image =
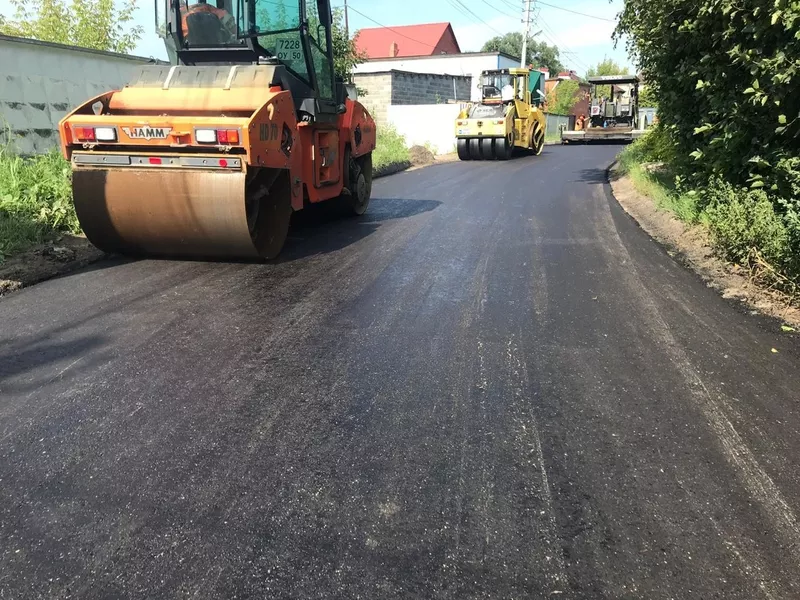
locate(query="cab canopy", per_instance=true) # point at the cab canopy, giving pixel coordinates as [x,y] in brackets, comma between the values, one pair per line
[613,79]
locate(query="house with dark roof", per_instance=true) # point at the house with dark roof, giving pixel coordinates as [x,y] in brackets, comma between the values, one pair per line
[429,39]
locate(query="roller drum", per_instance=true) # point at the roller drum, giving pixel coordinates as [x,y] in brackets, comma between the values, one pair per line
[181,212]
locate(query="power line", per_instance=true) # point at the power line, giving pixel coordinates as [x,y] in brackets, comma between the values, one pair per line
[561,47]
[509,5]
[505,14]
[575,12]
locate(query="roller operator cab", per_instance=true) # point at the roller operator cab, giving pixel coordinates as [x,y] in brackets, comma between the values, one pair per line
[508,116]
[210,155]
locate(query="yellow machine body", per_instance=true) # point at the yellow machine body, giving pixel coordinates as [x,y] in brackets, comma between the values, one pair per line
[507,118]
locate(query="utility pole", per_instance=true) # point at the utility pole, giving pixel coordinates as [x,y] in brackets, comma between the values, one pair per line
[346,21]
[526,27]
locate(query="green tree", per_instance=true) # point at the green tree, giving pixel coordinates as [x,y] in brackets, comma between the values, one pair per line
[648,97]
[726,75]
[606,67]
[563,97]
[345,52]
[97,24]
[539,53]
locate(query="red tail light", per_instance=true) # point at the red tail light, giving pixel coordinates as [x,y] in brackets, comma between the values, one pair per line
[84,134]
[227,136]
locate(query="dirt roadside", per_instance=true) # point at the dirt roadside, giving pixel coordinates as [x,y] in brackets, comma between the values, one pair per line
[70,252]
[45,261]
[690,245]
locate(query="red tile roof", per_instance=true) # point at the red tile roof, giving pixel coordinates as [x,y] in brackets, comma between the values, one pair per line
[408,40]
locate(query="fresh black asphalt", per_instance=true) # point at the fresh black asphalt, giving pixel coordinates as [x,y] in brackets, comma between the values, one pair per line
[493,385]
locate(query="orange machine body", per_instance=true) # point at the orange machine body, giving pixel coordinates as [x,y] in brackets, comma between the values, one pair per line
[158,127]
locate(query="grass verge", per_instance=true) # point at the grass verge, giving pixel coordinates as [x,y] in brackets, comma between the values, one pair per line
[746,226]
[35,200]
[391,151]
[552,136]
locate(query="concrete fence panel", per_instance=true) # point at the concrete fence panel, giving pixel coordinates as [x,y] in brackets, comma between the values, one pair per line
[391,88]
[40,82]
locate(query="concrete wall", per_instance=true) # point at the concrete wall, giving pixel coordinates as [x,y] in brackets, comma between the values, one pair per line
[403,88]
[432,124]
[428,88]
[466,64]
[40,82]
[377,93]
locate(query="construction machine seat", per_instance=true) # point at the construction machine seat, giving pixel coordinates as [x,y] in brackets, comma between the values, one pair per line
[205,29]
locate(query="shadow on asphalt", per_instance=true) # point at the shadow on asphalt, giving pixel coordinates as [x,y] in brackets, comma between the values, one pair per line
[30,355]
[317,229]
[325,228]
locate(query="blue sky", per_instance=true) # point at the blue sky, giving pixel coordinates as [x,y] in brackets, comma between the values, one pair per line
[583,40]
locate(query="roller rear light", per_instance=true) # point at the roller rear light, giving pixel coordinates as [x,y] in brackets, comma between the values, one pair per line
[224,137]
[94,134]
[105,134]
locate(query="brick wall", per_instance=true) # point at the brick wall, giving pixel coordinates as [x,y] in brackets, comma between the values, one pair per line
[404,88]
[426,88]
[375,93]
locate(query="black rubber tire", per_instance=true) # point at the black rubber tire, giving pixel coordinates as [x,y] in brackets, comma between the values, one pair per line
[487,149]
[462,146]
[358,181]
[475,149]
[503,148]
[538,141]
[362,185]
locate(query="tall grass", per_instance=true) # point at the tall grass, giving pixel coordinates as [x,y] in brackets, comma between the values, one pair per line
[390,148]
[35,200]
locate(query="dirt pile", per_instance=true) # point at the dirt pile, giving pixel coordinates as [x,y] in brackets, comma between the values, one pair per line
[420,155]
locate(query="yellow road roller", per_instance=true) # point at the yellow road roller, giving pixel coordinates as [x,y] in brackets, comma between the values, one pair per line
[507,117]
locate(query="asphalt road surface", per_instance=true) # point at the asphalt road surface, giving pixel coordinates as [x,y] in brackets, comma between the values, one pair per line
[494,385]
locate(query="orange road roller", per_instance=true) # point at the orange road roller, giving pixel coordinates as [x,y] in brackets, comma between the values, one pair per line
[210,155]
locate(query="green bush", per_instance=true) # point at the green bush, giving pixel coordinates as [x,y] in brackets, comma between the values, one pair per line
[390,148]
[35,200]
[726,75]
[750,227]
[741,221]
[655,145]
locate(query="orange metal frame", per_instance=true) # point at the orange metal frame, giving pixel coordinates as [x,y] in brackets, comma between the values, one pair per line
[270,135]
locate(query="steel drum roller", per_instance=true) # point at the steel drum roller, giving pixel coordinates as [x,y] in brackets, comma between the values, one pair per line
[183,212]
